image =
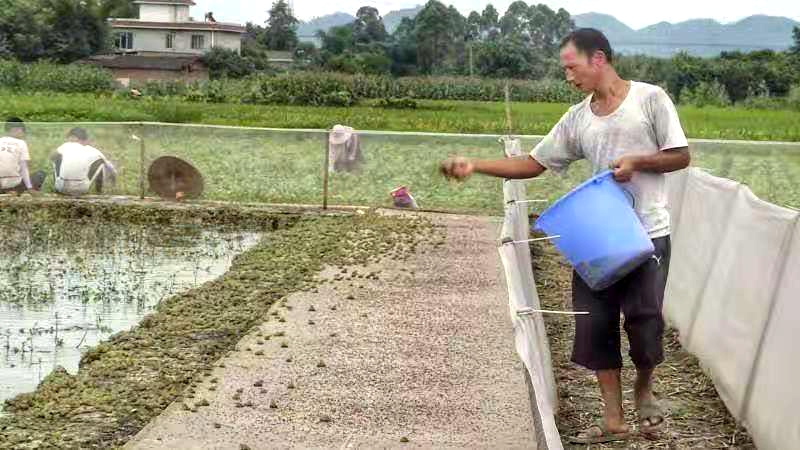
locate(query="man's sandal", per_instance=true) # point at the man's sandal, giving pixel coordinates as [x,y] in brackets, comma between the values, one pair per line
[598,434]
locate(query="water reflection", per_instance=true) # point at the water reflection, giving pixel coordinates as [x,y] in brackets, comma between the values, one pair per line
[66,286]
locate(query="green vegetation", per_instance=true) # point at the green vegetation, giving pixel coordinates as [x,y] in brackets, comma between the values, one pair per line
[49,77]
[430,116]
[299,88]
[59,30]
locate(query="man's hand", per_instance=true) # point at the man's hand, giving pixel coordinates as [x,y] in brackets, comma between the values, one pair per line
[623,168]
[458,168]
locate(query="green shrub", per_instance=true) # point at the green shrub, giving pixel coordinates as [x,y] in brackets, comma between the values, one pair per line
[397,103]
[341,98]
[162,88]
[706,94]
[227,63]
[49,77]
[794,96]
[790,102]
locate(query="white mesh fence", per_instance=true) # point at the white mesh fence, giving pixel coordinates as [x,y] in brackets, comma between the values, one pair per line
[732,295]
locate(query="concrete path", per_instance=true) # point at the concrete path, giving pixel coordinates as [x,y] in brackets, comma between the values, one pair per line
[425,354]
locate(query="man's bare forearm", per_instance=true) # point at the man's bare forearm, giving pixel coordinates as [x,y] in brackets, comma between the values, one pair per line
[663,161]
[513,168]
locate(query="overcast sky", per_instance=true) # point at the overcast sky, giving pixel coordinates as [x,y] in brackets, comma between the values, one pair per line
[632,12]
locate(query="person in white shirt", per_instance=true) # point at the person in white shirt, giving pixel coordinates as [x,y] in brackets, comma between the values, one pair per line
[632,128]
[78,166]
[14,158]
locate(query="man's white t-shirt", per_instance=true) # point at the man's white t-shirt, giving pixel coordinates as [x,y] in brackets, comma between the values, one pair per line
[645,123]
[73,176]
[12,152]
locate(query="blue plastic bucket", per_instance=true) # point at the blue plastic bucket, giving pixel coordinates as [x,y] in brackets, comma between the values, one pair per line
[600,234]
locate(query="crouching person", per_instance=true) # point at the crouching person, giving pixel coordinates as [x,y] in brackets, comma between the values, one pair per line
[14,158]
[78,166]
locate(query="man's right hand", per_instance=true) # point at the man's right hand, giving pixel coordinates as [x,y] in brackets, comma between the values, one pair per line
[457,168]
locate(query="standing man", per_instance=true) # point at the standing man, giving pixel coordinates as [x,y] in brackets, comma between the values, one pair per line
[14,158]
[78,166]
[633,128]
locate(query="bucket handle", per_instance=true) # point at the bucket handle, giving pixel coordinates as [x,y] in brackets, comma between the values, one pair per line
[630,196]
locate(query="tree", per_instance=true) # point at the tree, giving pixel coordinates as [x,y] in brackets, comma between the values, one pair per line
[280,33]
[538,26]
[796,36]
[254,47]
[473,26]
[61,30]
[432,31]
[227,63]
[404,48]
[22,29]
[504,58]
[546,27]
[368,26]
[515,20]
[124,9]
[77,29]
[489,19]
[337,39]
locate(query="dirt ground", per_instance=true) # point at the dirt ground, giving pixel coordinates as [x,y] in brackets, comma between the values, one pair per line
[696,417]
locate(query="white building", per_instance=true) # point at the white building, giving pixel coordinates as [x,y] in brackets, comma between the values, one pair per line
[164,27]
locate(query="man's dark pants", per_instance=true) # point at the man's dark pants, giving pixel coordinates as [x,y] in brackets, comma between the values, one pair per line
[640,297]
[37,180]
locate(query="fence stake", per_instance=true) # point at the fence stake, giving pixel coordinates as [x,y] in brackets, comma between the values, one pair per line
[141,162]
[325,174]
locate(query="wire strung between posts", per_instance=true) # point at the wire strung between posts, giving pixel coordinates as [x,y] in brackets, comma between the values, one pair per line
[526,241]
[528,201]
[524,202]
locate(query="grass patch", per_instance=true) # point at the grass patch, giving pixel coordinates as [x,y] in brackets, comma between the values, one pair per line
[433,116]
[124,383]
[247,165]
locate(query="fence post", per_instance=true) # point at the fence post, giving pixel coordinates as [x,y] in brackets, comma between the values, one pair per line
[141,161]
[327,168]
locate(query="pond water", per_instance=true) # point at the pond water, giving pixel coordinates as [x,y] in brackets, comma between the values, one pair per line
[66,286]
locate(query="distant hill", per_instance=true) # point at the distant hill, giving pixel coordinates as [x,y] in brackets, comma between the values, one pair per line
[392,19]
[702,37]
[610,25]
[324,23]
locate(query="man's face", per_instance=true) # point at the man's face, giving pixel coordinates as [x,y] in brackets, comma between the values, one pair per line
[580,69]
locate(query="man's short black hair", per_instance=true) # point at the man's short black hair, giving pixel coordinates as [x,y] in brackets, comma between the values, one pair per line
[589,40]
[14,122]
[79,133]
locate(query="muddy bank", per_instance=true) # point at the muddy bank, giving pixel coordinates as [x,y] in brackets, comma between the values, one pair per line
[696,417]
[130,379]
[130,210]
